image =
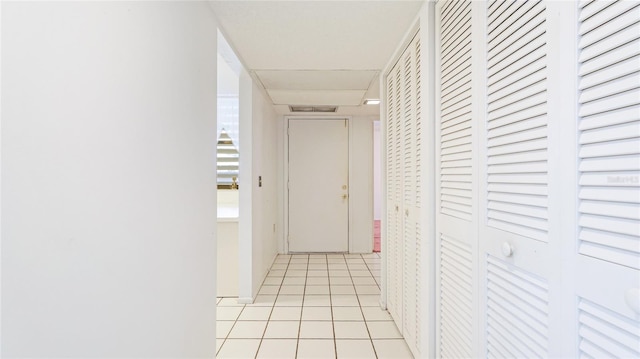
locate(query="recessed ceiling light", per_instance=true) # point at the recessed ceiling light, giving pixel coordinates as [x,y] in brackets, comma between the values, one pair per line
[372,102]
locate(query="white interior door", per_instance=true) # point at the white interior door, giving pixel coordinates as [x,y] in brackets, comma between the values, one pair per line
[318,185]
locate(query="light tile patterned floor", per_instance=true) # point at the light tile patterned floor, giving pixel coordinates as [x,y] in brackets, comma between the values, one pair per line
[312,306]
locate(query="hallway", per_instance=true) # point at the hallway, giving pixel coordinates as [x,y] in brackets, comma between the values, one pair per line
[312,306]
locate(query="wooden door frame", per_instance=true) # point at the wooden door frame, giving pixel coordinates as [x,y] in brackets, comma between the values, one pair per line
[285,182]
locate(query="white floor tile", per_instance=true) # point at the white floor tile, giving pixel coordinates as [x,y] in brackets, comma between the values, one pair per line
[318,281]
[255,313]
[316,330]
[383,330]
[358,267]
[263,300]
[347,313]
[276,273]
[304,261]
[355,349]
[367,289]
[313,348]
[296,272]
[298,265]
[272,281]
[350,330]
[223,327]
[352,255]
[239,348]
[341,281]
[289,301]
[338,273]
[316,301]
[269,289]
[364,281]
[392,349]
[219,343]
[279,266]
[247,330]
[351,261]
[292,289]
[336,260]
[318,273]
[317,289]
[286,313]
[317,266]
[316,256]
[344,300]
[342,289]
[282,329]
[294,281]
[375,314]
[369,300]
[228,313]
[218,299]
[318,260]
[338,267]
[360,273]
[278,349]
[316,313]
[229,302]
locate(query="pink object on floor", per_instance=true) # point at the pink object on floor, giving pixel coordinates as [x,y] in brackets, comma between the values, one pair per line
[376,236]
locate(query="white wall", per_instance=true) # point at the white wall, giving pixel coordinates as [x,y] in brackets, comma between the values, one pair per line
[265,156]
[108,201]
[257,238]
[377,174]
[361,184]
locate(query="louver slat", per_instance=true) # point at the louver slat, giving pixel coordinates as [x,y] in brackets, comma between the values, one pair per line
[517,319]
[606,334]
[517,133]
[609,136]
[456,308]
[455,109]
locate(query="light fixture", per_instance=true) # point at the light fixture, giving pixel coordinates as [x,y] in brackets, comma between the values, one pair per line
[295,108]
[372,102]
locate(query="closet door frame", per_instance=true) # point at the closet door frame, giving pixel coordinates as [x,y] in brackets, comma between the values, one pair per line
[424,27]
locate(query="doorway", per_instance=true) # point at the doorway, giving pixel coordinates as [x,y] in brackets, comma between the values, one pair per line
[377,186]
[318,185]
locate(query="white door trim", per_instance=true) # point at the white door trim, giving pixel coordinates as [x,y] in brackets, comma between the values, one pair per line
[285,187]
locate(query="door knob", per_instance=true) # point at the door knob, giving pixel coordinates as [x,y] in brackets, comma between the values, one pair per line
[344,196]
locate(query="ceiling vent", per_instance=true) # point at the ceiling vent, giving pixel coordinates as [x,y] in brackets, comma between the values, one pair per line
[324,109]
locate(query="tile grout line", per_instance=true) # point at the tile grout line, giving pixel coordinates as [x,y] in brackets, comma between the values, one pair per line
[304,291]
[333,325]
[361,311]
[273,306]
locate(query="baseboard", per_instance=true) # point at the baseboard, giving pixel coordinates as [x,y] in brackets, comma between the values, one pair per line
[245,300]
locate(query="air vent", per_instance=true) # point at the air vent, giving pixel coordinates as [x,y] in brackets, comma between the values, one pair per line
[313,108]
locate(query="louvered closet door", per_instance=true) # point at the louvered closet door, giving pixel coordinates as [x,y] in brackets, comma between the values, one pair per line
[608,292]
[411,202]
[456,212]
[394,225]
[514,196]
[404,193]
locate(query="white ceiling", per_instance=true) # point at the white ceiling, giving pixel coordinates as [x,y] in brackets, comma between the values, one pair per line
[318,52]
